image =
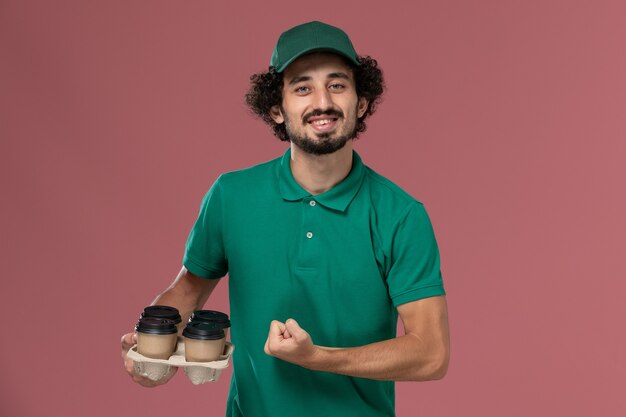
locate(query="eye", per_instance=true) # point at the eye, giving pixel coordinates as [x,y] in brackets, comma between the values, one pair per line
[337,87]
[302,89]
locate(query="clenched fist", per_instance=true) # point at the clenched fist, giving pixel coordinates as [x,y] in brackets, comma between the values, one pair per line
[290,342]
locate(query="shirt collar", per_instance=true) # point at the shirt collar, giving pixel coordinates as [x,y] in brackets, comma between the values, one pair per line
[337,198]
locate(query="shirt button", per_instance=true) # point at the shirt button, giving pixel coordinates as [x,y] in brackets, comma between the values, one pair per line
[312,203]
[309,235]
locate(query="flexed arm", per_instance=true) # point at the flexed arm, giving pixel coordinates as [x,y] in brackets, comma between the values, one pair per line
[421,354]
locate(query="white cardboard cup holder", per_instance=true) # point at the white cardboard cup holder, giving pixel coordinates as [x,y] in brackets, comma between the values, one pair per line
[197,372]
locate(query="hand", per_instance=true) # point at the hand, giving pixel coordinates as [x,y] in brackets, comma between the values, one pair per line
[128,341]
[291,343]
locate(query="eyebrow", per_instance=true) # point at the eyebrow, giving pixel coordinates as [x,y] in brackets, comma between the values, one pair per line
[332,75]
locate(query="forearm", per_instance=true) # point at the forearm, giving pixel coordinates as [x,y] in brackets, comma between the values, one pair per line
[404,358]
[185,303]
[187,293]
[421,354]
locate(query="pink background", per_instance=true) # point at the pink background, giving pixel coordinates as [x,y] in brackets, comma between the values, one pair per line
[505,118]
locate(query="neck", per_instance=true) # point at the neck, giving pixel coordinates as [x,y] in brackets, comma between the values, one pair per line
[319,173]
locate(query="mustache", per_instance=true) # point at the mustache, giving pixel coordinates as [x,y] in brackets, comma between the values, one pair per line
[320,112]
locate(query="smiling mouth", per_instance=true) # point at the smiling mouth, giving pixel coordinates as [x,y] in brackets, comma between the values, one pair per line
[323,122]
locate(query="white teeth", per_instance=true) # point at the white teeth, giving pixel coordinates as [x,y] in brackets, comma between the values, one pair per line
[321,122]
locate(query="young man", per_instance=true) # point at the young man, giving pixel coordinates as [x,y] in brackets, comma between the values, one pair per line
[322,253]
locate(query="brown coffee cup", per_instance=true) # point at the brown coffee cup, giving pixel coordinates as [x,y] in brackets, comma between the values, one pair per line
[162,312]
[211,316]
[204,342]
[156,338]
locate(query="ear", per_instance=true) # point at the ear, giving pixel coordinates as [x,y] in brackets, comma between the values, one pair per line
[276,114]
[361,107]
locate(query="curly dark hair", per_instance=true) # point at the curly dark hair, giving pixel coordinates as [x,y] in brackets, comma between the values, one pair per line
[266,91]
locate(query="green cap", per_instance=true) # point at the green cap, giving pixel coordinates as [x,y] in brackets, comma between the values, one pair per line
[311,37]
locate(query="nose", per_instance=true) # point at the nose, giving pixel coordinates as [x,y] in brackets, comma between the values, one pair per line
[322,99]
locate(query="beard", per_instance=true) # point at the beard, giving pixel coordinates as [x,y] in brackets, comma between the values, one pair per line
[325,143]
[323,146]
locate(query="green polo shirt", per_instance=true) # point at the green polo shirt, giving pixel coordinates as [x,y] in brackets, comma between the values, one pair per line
[339,263]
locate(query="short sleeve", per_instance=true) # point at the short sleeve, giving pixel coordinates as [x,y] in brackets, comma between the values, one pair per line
[415,271]
[204,252]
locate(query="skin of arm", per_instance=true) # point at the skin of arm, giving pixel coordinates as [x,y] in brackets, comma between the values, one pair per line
[187,293]
[421,354]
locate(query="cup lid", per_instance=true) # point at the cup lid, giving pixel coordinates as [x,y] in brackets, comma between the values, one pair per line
[162,312]
[210,316]
[156,326]
[203,331]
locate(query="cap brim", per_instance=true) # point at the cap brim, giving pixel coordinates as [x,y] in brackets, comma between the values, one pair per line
[336,51]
